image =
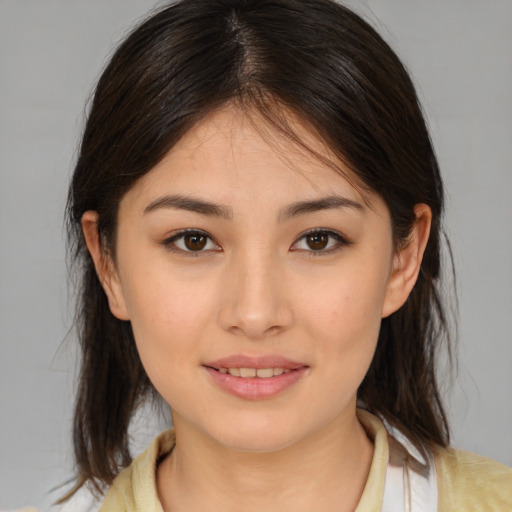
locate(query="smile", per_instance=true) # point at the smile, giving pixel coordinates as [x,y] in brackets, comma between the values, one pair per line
[248,373]
[255,378]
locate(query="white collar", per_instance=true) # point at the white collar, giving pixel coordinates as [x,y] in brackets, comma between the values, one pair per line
[411,483]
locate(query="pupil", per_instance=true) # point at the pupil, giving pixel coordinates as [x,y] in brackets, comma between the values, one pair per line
[317,241]
[195,242]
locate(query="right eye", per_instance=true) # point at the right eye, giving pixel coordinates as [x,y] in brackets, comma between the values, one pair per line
[191,241]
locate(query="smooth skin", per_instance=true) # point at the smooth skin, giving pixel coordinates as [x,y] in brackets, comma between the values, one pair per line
[253,279]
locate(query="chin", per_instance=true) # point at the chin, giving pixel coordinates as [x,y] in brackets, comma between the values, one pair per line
[259,433]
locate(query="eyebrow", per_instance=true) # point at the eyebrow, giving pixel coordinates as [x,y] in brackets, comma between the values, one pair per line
[178,202]
[324,203]
[203,207]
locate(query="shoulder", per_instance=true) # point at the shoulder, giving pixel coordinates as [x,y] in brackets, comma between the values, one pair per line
[469,482]
[134,489]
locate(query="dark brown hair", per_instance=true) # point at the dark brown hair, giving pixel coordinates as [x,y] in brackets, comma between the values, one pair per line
[330,69]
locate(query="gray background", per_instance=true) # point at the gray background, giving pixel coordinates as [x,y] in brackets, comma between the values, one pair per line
[51,52]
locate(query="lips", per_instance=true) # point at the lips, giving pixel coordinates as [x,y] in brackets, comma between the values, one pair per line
[255,378]
[261,373]
[268,361]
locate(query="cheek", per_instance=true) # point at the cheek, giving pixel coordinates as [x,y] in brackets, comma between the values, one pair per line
[343,310]
[346,304]
[168,313]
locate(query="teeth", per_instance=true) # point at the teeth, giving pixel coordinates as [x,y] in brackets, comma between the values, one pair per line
[248,373]
[264,373]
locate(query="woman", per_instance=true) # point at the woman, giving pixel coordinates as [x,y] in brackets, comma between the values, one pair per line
[257,208]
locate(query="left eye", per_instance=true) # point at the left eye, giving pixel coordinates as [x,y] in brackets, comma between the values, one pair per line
[319,241]
[191,241]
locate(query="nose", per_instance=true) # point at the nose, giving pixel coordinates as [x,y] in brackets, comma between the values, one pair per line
[255,303]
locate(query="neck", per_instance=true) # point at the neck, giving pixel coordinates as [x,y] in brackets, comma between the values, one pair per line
[330,468]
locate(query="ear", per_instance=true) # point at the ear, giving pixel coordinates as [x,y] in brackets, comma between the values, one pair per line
[407,262]
[105,268]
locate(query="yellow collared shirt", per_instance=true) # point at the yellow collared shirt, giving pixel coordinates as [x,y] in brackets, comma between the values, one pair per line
[400,480]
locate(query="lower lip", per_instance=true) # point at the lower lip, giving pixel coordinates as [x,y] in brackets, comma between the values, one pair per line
[255,388]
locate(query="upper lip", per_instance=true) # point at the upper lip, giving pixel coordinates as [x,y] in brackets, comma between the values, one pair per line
[256,362]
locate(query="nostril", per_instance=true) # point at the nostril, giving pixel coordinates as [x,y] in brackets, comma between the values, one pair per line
[253,319]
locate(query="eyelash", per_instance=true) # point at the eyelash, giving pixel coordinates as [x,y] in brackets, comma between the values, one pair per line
[341,241]
[170,243]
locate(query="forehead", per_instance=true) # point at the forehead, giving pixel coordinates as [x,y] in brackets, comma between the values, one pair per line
[234,155]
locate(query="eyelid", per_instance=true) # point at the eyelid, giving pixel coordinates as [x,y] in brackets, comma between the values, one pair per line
[169,242]
[341,240]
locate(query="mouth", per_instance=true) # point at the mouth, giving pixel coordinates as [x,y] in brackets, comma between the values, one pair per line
[251,373]
[255,378]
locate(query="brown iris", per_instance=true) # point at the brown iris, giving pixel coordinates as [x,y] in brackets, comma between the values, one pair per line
[195,241]
[317,241]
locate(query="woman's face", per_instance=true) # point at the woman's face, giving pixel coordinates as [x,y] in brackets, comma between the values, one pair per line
[255,279]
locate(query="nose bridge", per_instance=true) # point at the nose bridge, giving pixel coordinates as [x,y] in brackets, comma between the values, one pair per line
[255,303]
